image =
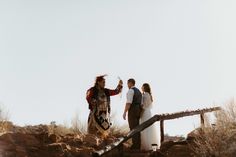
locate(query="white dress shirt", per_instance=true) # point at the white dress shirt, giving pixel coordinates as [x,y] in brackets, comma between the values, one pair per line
[129,96]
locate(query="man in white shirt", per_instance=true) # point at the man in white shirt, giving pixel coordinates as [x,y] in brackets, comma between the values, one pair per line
[133,107]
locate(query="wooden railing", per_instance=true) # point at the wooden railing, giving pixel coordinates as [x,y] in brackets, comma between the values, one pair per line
[152,120]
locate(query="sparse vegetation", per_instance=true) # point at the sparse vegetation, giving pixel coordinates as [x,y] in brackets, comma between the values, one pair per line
[75,127]
[59,129]
[219,139]
[4,114]
[4,118]
[118,130]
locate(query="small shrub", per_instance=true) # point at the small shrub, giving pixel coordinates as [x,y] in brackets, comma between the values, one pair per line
[218,140]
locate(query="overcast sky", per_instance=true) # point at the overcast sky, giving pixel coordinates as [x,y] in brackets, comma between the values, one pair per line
[51,51]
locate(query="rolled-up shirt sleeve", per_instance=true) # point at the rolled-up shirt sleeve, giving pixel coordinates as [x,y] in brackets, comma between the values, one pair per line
[130,96]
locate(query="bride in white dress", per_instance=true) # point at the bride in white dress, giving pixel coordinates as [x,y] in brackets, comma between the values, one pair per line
[149,136]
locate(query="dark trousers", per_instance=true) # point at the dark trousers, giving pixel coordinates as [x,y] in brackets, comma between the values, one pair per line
[133,119]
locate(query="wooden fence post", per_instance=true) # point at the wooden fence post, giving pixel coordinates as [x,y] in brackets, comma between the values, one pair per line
[202,119]
[162,130]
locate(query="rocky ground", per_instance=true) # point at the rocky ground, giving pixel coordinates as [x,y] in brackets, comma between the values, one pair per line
[46,141]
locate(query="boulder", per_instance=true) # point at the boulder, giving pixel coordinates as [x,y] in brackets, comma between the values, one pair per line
[179,151]
[193,134]
[57,147]
[166,145]
[53,138]
[20,139]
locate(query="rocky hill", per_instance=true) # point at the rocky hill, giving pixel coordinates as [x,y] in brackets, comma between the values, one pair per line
[48,141]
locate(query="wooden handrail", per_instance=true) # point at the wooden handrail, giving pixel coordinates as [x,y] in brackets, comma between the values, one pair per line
[148,123]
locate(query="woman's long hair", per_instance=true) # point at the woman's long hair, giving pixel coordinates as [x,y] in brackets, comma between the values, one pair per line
[147,89]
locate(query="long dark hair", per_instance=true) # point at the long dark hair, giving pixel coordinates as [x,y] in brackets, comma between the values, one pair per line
[99,79]
[147,89]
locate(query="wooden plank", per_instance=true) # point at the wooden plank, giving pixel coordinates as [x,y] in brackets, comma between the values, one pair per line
[127,137]
[162,131]
[187,113]
[148,123]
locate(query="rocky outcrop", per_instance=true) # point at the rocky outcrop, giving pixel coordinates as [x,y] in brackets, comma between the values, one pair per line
[40,141]
[46,141]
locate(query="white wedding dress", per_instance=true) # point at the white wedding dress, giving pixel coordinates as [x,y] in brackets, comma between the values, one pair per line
[149,136]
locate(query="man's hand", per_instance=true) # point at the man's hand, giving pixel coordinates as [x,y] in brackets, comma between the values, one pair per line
[124,115]
[127,106]
[121,83]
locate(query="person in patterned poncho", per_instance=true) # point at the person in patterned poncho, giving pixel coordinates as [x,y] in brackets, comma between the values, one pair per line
[98,98]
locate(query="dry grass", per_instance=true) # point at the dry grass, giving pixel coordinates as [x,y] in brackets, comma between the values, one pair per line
[76,126]
[61,130]
[4,119]
[4,114]
[218,140]
[118,130]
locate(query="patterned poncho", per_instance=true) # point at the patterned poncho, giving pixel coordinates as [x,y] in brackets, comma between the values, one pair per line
[99,105]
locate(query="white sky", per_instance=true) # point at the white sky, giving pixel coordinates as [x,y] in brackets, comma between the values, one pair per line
[51,51]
